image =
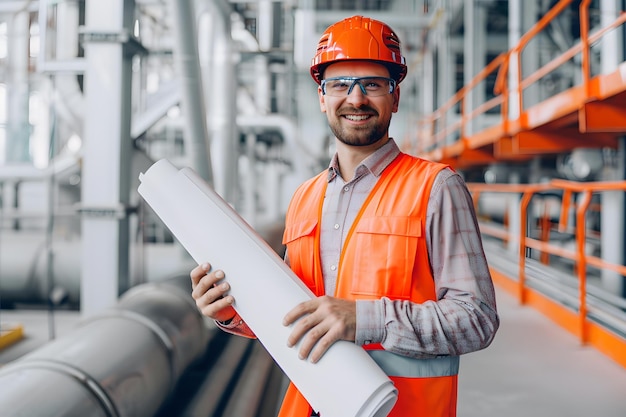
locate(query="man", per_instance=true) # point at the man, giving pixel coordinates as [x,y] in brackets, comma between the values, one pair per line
[389,243]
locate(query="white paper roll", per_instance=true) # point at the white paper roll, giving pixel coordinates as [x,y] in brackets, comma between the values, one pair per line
[346,381]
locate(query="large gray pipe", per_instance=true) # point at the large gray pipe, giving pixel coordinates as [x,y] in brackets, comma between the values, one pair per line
[24,264]
[123,362]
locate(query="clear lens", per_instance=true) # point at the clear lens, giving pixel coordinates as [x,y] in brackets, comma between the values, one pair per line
[370,86]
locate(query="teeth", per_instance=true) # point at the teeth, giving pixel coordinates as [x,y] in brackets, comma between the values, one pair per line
[356,118]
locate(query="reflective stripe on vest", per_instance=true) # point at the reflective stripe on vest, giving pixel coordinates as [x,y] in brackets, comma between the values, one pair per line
[403,366]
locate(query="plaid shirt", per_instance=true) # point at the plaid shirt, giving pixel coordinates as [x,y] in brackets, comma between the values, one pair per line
[464,317]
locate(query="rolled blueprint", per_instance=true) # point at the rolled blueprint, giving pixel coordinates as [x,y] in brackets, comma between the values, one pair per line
[346,381]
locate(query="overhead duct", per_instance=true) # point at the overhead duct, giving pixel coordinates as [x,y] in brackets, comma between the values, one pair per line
[122,362]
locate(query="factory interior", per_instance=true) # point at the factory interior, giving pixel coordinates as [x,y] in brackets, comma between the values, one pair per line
[525,99]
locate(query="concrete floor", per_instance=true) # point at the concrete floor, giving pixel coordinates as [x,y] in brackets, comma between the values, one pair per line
[533,367]
[38,327]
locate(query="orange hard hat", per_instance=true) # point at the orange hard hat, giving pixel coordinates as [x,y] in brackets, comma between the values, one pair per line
[359,37]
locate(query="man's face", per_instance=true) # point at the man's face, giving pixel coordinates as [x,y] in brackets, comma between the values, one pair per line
[358,119]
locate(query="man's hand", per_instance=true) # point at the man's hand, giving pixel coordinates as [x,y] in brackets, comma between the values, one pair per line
[210,295]
[323,321]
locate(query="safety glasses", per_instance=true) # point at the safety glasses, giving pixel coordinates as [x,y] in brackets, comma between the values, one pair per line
[370,86]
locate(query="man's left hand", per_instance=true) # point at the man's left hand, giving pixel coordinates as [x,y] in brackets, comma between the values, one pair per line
[323,321]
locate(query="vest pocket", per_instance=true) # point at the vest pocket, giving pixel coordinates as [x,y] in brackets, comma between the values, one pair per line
[385,250]
[298,230]
[300,241]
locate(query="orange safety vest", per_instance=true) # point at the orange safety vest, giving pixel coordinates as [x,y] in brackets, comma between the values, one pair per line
[386,251]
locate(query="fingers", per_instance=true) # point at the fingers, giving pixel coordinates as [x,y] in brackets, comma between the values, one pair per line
[202,279]
[319,323]
[211,293]
[303,311]
[198,272]
[317,339]
[322,345]
[300,310]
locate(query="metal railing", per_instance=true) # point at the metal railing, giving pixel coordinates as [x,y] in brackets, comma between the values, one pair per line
[442,135]
[576,197]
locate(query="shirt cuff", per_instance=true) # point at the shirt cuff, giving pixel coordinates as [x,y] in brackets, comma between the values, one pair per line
[370,324]
[230,324]
[237,327]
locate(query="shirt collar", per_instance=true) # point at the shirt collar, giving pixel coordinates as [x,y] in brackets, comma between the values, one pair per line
[375,163]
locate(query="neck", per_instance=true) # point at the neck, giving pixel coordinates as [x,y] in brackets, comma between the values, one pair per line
[349,157]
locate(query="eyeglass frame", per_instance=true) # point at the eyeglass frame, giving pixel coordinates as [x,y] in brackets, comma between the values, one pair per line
[357,80]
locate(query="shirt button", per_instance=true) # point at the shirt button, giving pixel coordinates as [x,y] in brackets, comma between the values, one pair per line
[336,226]
[346,188]
[333,267]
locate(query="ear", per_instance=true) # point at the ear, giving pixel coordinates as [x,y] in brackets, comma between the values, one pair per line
[396,99]
[322,98]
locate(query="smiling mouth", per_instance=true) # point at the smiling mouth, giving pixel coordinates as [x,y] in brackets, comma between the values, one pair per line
[357,117]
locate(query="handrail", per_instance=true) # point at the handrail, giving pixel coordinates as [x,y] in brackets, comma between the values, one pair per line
[434,129]
[582,260]
[525,40]
[430,121]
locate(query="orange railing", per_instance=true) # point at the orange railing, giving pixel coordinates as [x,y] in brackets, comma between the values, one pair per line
[578,322]
[440,136]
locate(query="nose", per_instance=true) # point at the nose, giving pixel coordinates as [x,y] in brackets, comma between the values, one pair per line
[356,95]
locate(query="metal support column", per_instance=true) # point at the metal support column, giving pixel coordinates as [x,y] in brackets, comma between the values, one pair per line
[107,153]
[475,58]
[427,81]
[220,94]
[445,66]
[530,56]
[612,215]
[18,127]
[192,99]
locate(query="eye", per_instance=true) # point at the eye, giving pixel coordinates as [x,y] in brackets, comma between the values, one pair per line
[339,84]
[373,84]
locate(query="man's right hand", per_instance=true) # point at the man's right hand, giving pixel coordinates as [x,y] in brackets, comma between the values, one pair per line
[210,294]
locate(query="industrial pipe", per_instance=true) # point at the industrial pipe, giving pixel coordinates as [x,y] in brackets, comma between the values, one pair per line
[215,53]
[192,100]
[23,268]
[122,362]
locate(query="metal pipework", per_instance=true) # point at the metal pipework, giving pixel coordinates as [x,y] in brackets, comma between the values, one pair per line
[192,100]
[122,362]
[24,263]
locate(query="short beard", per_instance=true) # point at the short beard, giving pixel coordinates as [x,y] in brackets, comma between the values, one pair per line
[363,137]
